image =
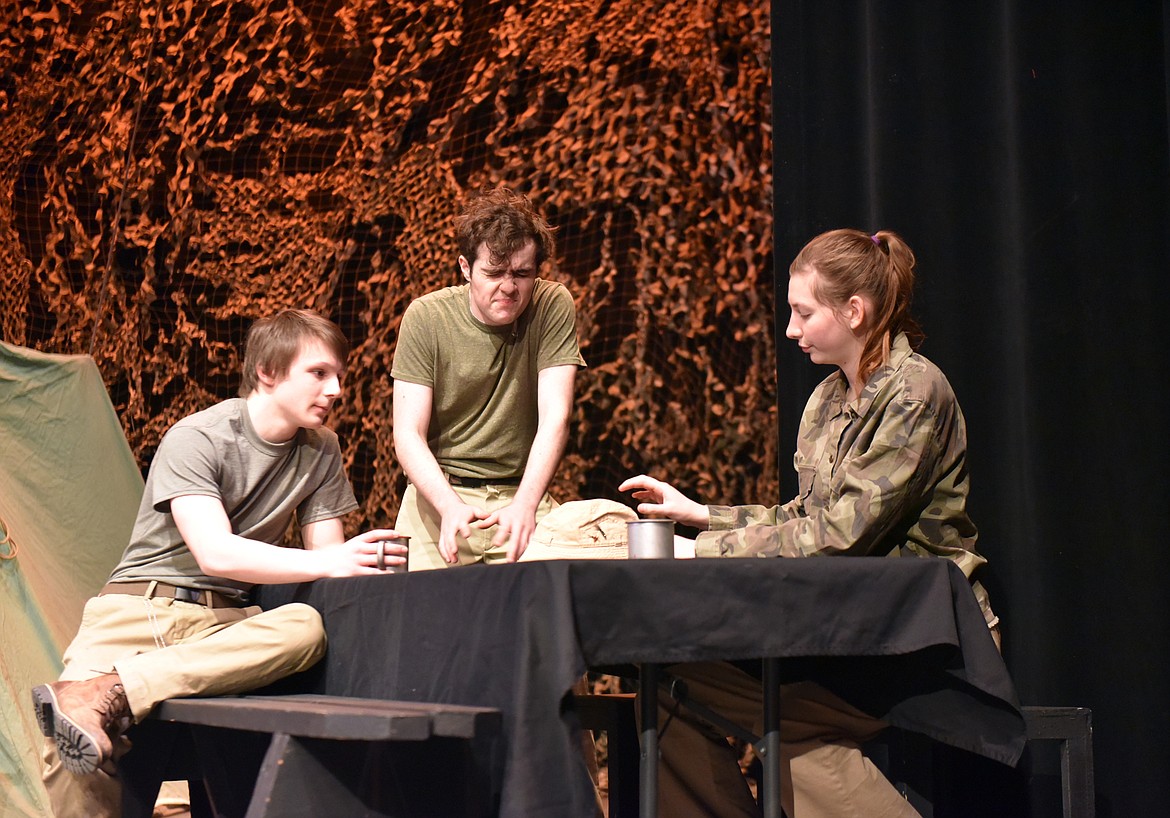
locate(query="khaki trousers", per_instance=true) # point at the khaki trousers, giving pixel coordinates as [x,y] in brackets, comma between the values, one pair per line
[164,649]
[419,520]
[823,772]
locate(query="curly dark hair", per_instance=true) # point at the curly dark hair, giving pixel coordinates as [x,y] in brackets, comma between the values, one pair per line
[504,221]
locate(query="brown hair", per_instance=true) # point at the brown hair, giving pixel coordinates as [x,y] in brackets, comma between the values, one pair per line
[504,221]
[880,267]
[274,342]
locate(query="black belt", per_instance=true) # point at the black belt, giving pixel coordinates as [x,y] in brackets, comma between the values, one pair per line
[198,596]
[480,482]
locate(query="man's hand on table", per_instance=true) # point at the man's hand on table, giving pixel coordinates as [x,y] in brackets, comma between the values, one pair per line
[516,524]
[457,521]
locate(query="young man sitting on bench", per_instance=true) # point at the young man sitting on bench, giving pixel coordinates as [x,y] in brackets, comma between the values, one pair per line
[173,620]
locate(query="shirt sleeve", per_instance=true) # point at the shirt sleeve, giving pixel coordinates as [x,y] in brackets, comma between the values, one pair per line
[869,494]
[558,330]
[185,463]
[414,359]
[729,517]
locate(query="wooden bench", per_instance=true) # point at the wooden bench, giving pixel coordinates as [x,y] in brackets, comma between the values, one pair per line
[942,780]
[1072,727]
[307,755]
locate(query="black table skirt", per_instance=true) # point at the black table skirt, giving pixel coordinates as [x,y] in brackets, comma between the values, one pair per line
[902,639]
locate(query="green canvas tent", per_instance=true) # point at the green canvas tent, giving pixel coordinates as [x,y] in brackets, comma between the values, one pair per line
[69,490]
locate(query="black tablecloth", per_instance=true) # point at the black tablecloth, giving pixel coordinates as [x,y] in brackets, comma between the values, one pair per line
[903,639]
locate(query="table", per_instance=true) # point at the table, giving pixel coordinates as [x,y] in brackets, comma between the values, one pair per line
[902,639]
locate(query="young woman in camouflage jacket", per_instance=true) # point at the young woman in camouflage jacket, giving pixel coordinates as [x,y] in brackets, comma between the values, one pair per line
[881,458]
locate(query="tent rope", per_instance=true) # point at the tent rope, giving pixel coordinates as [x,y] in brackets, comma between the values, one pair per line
[8,548]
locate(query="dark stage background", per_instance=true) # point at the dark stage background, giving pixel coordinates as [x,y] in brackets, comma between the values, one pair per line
[1021,148]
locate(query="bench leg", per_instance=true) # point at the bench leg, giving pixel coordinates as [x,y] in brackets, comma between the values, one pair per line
[239,773]
[614,715]
[408,779]
[1077,772]
[148,764]
[200,803]
[229,762]
[289,773]
[162,752]
[1073,728]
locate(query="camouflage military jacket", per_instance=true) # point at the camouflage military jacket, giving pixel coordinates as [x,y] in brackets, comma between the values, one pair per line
[884,475]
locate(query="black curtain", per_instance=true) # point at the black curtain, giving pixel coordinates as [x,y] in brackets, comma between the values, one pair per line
[1022,150]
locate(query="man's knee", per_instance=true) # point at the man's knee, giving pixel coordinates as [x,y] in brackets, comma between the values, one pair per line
[304,627]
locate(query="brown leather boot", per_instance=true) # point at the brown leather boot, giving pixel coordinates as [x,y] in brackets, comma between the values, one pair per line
[85,719]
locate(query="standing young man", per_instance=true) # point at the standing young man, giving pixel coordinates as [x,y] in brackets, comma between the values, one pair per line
[483,388]
[173,619]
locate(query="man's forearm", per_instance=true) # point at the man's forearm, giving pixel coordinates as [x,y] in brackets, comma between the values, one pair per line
[424,472]
[245,560]
[554,406]
[543,459]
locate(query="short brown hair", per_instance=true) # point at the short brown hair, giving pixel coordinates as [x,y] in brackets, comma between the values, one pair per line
[504,221]
[273,343]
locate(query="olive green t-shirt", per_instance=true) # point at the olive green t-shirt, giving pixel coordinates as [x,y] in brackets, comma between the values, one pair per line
[483,378]
[263,486]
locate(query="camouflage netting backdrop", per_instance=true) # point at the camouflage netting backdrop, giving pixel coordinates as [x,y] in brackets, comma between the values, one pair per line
[172,169]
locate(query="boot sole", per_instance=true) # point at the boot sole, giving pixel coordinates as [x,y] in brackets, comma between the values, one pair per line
[76,747]
[42,697]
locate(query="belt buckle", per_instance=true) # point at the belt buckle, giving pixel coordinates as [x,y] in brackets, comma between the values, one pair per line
[193,595]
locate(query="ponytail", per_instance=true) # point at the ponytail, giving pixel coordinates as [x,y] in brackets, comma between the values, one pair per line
[892,315]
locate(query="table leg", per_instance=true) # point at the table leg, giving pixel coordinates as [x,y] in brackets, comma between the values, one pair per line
[770,751]
[648,763]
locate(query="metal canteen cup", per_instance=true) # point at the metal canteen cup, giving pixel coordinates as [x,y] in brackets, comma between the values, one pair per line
[650,539]
[401,539]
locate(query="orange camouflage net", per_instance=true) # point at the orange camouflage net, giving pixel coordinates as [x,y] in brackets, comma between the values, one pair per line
[170,171]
